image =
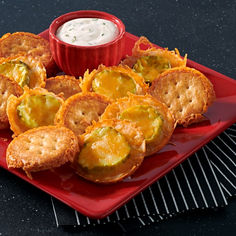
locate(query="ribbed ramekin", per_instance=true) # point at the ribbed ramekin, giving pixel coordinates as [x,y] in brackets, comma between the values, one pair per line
[75,60]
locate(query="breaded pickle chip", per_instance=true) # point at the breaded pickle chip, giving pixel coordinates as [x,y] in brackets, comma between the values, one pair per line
[36,107]
[42,148]
[7,88]
[27,43]
[110,151]
[151,62]
[113,82]
[79,110]
[25,70]
[66,84]
[153,117]
[186,91]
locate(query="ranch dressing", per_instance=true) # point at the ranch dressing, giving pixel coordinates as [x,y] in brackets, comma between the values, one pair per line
[87,31]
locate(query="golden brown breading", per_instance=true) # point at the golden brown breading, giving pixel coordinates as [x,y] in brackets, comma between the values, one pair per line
[124,168]
[42,148]
[79,110]
[30,44]
[164,128]
[66,84]
[187,92]
[37,72]
[173,57]
[16,123]
[7,87]
[140,86]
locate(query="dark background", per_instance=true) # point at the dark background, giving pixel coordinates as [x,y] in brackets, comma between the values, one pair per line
[205,30]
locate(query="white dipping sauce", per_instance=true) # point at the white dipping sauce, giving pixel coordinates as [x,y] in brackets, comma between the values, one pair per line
[87,31]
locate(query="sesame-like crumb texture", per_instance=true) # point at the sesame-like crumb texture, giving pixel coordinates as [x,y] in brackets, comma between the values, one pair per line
[78,111]
[42,148]
[66,84]
[187,93]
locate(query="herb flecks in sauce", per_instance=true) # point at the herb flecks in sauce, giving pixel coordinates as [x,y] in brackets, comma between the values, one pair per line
[87,31]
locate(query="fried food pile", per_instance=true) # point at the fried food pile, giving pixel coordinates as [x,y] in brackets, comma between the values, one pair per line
[105,123]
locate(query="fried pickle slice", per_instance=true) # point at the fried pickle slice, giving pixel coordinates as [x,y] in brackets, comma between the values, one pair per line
[7,87]
[110,151]
[66,84]
[187,92]
[153,117]
[42,148]
[25,70]
[35,108]
[151,62]
[79,110]
[113,82]
[29,44]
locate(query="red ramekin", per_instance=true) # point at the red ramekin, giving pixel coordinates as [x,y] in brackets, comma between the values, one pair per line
[75,60]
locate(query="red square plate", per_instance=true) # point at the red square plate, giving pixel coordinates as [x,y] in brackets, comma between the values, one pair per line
[98,201]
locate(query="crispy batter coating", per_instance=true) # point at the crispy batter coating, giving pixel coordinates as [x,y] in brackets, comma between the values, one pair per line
[172,56]
[66,84]
[78,111]
[115,109]
[7,87]
[187,92]
[42,148]
[37,72]
[127,167]
[16,125]
[86,82]
[30,44]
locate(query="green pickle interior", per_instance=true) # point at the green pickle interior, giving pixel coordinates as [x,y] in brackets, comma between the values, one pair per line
[113,84]
[38,110]
[17,70]
[147,118]
[149,67]
[105,147]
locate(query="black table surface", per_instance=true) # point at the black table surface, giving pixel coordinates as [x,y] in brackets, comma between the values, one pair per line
[203,29]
